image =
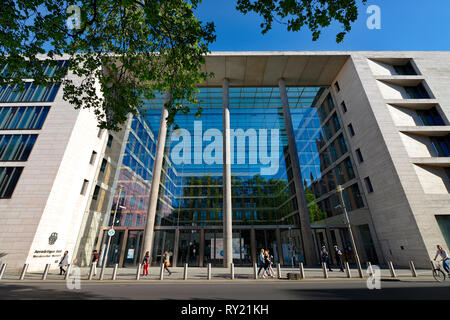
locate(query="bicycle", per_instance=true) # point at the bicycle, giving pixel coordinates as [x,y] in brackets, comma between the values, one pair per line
[438,274]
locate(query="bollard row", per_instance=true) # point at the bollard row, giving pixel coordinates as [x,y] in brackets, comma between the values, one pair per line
[92,269]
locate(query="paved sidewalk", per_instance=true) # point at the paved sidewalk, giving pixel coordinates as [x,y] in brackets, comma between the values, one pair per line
[196,273]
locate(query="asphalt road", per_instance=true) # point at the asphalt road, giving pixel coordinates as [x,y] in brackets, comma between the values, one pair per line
[232,290]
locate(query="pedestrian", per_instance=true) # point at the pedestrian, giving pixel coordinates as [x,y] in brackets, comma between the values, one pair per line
[445,258]
[95,261]
[64,262]
[267,263]
[272,272]
[339,257]
[324,256]
[261,261]
[166,259]
[145,263]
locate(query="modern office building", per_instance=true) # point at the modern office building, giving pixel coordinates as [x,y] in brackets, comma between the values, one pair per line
[260,168]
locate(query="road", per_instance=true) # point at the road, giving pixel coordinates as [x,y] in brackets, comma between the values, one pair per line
[353,289]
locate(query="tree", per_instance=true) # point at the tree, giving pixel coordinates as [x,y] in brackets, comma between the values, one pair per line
[126,50]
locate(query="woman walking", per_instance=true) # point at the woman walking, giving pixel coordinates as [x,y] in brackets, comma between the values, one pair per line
[267,263]
[146,263]
[166,259]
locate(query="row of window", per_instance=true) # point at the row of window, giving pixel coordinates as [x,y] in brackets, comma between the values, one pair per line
[16,147]
[28,93]
[22,118]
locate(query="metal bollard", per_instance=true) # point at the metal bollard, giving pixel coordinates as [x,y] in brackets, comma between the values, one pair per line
[278,271]
[138,271]
[185,275]
[232,271]
[255,271]
[209,271]
[24,271]
[114,274]
[392,270]
[66,275]
[161,272]
[325,271]
[2,270]
[302,271]
[45,273]
[413,269]
[369,268]
[91,271]
[347,269]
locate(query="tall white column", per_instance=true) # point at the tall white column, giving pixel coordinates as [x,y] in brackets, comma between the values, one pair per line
[297,176]
[227,204]
[156,178]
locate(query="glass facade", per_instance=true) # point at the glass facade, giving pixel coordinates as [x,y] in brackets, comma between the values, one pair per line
[22,118]
[28,93]
[16,147]
[189,216]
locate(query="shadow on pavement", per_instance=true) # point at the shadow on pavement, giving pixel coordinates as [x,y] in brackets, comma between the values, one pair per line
[25,292]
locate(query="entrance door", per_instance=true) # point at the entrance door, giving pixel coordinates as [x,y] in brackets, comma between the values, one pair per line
[189,248]
[132,254]
[115,248]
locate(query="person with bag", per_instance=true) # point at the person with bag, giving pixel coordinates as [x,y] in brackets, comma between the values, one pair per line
[324,256]
[166,261]
[145,263]
[95,261]
[261,262]
[339,256]
[267,264]
[64,262]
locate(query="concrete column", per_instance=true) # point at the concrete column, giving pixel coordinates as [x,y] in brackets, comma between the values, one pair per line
[305,227]
[209,271]
[253,245]
[413,269]
[279,247]
[227,209]
[202,247]
[255,271]
[2,270]
[138,271]
[347,269]
[185,275]
[175,247]
[44,275]
[24,271]
[156,178]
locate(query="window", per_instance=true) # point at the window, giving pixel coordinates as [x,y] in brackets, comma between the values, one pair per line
[430,117]
[9,176]
[103,165]
[96,192]
[359,155]
[110,139]
[16,147]
[368,185]
[84,187]
[23,118]
[30,93]
[336,86]
[350,130]
[417,92]
[441,146]
[344,107]
[405,70]
[93,157]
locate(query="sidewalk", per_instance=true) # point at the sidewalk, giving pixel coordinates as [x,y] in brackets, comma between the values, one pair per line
[196,273]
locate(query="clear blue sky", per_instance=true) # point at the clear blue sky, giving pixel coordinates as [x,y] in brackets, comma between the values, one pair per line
[405,25]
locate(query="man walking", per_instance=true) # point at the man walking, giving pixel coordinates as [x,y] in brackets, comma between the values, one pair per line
[64,262]
[339,255]
[95,261]
[166,261]
[324,256]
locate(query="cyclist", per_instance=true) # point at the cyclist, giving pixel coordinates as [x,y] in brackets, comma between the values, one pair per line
[445,258]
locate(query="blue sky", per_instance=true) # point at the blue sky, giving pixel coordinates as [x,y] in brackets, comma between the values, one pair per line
[405,25]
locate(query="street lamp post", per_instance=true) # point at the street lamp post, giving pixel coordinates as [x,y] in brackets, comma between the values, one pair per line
[347,222]
[105,260]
